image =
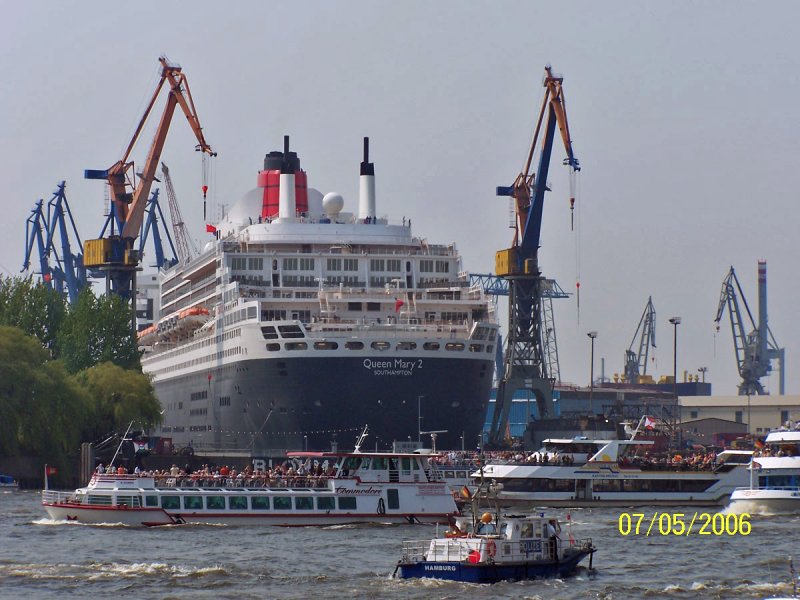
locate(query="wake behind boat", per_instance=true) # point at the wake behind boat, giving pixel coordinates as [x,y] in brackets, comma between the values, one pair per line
[330,488]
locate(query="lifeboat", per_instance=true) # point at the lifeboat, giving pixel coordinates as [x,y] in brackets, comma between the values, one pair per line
[182,324]
[146,336]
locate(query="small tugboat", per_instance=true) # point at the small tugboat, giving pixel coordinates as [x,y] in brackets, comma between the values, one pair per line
[495,548]
[345,487]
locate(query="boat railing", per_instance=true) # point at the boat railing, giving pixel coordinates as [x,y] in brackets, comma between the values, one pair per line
[211,481]
[55,497]
[785,488]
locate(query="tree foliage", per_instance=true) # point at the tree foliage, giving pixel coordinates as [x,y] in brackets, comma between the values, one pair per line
[115,397]
[33,307]
[97,330]
[42,408]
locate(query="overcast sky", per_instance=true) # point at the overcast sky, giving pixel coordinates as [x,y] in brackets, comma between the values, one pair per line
[684,117]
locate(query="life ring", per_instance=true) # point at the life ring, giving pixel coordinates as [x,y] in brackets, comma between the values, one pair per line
[491,548]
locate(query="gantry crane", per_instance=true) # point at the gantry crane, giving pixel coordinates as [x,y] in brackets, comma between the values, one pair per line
[525,362]
[185,245]
[116,254]
[636,362]
[62,270]
[756,350]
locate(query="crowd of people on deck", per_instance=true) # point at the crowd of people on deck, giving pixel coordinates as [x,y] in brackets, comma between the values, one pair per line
[284,475]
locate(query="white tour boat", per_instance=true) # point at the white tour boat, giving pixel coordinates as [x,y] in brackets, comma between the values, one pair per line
[613,478]
[774,476]
[355,487]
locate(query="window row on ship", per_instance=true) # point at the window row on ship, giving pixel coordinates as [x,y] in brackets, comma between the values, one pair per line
[239,503]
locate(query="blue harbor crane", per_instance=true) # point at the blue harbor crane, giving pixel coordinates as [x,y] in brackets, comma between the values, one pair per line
[525,363]
[497,286]
[636,362]
[61,268]
[754,350]
[154,216]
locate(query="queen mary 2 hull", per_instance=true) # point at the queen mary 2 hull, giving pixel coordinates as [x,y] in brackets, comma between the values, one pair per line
[269,404]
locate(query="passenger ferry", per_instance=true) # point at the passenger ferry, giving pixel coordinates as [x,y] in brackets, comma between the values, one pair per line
[299,322]
[354,487]
[613,478]
[774,476]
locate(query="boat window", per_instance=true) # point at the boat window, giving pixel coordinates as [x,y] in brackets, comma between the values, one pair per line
[325,346]
[259,502]
[406,463]
[269,333]
[380,345]
[354,345]
[354,463]
[132,501]
[430,346]
[252,312]
[527,530]
[151,501]
[406,345]
[99,500]
[282,502]
[379,463]
[215,502]
[193,502]
[476,347]
[291,331]
[296,346]
[273,347]
[448,474]
[304,503]
[237,502]
[454,346]
[392,498]
[328,503]
[347,503]
[171,502]
[489,348]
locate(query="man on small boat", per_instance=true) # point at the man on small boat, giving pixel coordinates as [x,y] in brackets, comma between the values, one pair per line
[486,527]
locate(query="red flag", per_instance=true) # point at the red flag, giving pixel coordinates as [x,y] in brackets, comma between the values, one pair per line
[397,305]
[210,228]
[47,277]
[649,423]
[50,471]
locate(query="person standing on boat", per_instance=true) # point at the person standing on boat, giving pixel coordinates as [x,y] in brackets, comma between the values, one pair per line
[552,536]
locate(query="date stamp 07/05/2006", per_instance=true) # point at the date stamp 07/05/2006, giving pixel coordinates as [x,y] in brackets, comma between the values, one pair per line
[697,523]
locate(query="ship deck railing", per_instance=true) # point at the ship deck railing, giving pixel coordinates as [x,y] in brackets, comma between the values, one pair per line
[776,488]
[55,497]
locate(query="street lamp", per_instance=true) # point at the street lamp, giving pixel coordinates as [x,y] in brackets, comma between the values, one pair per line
[592,335]
[703,371]
[675,322]
[305,443]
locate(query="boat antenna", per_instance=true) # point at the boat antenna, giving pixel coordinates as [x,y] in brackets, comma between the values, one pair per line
[361,438]
[124,437]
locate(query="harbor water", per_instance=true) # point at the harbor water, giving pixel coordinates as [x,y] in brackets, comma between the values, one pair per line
[40,558]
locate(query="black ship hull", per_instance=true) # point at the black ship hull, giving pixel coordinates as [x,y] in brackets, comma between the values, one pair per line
[270,405]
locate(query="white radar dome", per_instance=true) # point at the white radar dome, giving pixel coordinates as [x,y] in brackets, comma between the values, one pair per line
[332,203]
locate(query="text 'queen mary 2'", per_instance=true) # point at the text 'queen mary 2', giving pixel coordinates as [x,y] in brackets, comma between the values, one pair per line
[301,323]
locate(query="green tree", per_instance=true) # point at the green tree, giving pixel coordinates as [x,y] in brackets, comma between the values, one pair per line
[42,408]
[97,330]
[116,397]
[33,307]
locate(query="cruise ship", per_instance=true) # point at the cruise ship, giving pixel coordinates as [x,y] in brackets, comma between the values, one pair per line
[300,323]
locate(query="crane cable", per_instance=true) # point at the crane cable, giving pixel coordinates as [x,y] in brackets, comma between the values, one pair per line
[205,168]
[574,182]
